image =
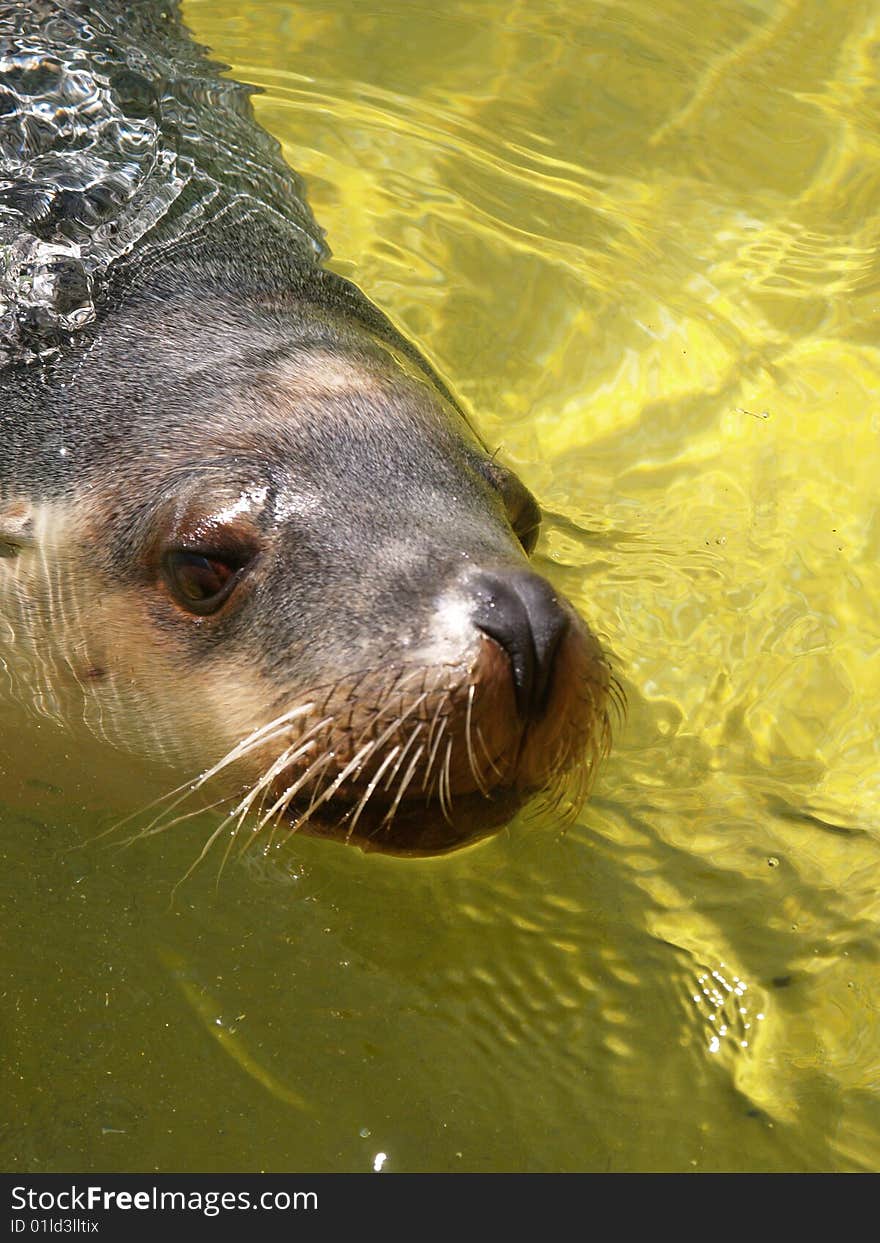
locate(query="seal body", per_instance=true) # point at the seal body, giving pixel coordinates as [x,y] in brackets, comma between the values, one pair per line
[244,526]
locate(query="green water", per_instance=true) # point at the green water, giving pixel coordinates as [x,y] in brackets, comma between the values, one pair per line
[641,240]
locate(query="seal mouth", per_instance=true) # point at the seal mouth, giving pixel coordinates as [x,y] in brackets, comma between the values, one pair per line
[418,829]
[451,766]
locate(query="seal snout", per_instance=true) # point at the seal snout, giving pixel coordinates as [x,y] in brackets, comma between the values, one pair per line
[521,612]
[425,759]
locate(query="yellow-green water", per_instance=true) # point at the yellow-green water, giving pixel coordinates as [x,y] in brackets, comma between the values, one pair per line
[640,239]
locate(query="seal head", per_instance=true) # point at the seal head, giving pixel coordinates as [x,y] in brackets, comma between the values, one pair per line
[244,526]
[285,558]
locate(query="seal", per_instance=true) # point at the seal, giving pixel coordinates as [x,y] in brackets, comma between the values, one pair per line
[244,526]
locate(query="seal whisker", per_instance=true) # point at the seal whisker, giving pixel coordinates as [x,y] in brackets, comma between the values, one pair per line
[317,767]
[410,773]
[195,863]
[396,723]
[236,818]
[350,767]
[617,696]
[441,703]
[365,798]
[481,740]
[445,789]
[290,793]
[286,798]
[320,795]
[258,790]
[150,830]
[468,737]
[188,788]
[253,739]
[170,824]
[413,736]
[435,748]
[289,756]
[409,673]
[202,855]
[551,800]
[241,809]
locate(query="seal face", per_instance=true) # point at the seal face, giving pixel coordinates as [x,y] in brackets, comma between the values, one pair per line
[245,527]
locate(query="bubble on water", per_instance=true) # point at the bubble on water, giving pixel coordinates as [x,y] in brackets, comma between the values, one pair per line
[722,1007]
[98,152]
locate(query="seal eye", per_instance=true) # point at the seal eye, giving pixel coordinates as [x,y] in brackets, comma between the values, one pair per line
[200,584]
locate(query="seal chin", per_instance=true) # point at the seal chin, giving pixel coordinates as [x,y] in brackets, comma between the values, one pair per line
[421,829]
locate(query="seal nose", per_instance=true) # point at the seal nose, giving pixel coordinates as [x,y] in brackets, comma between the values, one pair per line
[521,612]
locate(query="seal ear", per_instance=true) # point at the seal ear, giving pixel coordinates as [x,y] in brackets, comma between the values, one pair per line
[16,527]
